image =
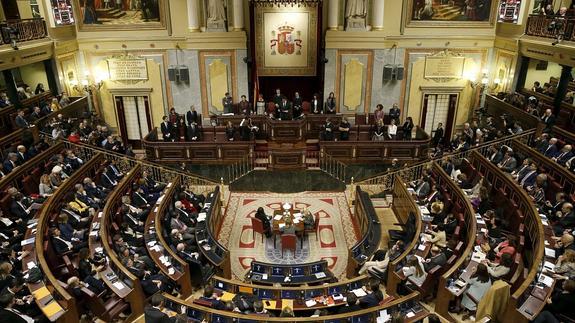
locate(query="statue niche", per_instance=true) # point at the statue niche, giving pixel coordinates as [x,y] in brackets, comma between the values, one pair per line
[216,15]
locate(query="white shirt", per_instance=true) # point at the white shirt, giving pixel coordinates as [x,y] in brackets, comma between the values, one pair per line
[392,129]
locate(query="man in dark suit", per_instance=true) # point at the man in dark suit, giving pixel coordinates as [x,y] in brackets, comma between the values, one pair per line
[438,135]
[566,221]
[284,108]
[374,297]
[36,114]
[297,105]
[166,128]
[8,313]
[21,121]
[529,177]
[351,305]
[438,258]
[11,162]
[509,163]
[551,150]
[328,130]
[193,132]
[227,103]
[210,297]
[154,314]
[192,115]
[423,189]
[564,155]
[549,119]
[62,245]
[245,106]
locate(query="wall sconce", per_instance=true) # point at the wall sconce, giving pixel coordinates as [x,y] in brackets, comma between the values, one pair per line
[86,86]
[482,83]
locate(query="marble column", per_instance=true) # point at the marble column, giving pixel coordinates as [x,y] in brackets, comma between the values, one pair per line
[238,15]
[377,15]
[333,15]
[194,15]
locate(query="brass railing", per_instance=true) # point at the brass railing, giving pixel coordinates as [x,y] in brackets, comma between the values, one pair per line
[25,30]
[240,168]
[332,166]
[383,182]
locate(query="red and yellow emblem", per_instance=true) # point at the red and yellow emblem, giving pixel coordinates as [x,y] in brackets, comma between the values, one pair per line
[286,42]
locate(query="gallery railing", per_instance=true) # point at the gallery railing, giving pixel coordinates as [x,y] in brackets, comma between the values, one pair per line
[23,30]
[332,166]
[240,168]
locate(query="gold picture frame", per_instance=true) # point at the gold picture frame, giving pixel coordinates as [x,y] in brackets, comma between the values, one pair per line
[106,21]
[286,40]
[410,11]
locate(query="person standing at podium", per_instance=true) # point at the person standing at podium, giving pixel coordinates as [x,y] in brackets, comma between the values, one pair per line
[297,106]
[284,109]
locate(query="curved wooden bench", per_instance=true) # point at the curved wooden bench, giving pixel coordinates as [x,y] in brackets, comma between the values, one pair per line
[57,304]
[179,270]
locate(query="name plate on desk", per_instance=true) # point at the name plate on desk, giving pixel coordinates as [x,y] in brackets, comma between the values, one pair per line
[444,67]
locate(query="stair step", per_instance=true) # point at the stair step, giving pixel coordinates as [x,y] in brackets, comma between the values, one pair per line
[313,168]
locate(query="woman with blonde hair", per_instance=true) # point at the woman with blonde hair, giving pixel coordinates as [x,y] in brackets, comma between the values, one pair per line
[45,187]
[565,266]
[55,105]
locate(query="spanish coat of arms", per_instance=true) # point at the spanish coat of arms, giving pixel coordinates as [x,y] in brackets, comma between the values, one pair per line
[284,43]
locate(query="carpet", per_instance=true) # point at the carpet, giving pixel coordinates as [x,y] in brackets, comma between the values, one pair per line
[336,234]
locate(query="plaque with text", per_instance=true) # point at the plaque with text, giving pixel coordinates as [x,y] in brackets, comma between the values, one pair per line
[127,69]
[444,67]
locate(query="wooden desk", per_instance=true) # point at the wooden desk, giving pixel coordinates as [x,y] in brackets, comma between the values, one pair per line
[299,227]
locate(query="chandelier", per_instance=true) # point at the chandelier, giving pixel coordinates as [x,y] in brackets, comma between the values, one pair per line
[285,3]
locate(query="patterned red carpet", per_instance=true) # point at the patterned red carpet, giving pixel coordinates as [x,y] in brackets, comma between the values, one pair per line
[336,233]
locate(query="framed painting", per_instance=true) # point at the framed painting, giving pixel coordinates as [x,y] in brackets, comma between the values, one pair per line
[98,15]
[286,40]
[450,13]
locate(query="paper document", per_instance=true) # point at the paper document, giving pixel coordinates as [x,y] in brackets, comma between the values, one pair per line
[549,265]
[8,222]
[549,252]
[320,275]
[171,271]
[119,285]
[421,247]
[264,276]
[227,297]
[41,292]
[278,217]
[310,303]
[546,280]
[28,241]
[35,206]
[359,292]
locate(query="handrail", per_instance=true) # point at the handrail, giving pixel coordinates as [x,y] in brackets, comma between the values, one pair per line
[53,202]
[256,318]
[469,215]
[332,166]
[134,296]
[181,273]
[28,29]
[370,230]
[240,168]
[403,204]
[14,176]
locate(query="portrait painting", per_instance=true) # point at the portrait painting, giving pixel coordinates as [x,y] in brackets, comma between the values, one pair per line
[121,14]
[286,40]
[450,13]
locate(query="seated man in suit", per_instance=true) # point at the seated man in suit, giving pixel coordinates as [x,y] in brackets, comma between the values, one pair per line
[139,198]
[437,258]
[289,228]
[154,314]
[351,305]
[564,155]
[21,121]
[62,245]
[212,298]
[328,130]
[11,162]
[508,163]
[374,296]
[9,313]
[136,212]
[551,149]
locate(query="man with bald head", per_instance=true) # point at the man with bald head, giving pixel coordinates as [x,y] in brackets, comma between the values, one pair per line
[562,243]
[549,119]
[564,155]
